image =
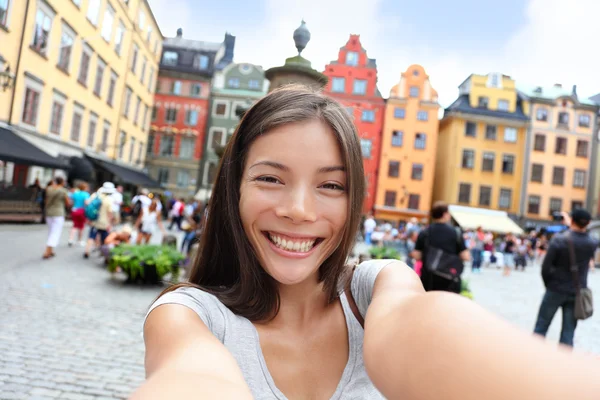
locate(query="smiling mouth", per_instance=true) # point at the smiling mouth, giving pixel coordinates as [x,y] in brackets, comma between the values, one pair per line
[296,245]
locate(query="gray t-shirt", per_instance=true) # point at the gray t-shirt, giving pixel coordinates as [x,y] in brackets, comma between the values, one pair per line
[241,338]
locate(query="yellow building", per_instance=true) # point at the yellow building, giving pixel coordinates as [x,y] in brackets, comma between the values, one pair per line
[481,146]
[408,149]
[85,72]
[558,169]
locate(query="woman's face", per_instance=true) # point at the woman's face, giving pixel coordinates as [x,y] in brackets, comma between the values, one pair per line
[293,199]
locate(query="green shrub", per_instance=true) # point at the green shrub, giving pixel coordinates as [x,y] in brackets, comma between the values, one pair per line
[379,253]
[132,258]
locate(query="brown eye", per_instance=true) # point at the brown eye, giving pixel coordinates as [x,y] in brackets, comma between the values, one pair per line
[333,186]
[268,179]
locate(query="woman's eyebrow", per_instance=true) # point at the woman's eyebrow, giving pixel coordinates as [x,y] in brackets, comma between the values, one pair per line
[279,166]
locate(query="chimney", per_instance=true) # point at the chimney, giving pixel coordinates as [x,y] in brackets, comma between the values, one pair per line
[557,85]
[179,33]
[574,92]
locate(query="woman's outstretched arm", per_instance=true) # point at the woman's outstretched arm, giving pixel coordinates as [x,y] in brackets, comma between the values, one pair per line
[442,346]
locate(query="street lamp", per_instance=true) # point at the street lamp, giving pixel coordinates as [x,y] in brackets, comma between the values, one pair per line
[7,79]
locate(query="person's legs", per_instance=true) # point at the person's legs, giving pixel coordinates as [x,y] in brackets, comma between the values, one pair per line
[51,222]
[90,241]
[147,237]
[548,308]
[569,322]
[368,238]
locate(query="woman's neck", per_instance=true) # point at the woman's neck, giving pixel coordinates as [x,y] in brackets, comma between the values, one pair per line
[300,303]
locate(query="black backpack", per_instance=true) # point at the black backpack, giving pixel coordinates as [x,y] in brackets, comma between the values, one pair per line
[137,208]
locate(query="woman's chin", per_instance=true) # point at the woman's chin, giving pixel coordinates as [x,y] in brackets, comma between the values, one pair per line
[290,276]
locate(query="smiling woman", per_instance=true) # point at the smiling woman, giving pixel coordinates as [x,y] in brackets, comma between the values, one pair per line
[272,312]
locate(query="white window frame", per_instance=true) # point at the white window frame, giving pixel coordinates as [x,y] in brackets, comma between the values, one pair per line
[143,72]
[120,146]
[211,132]
[150,79]
[506,137]
[227,109]
[170,52]
[234,106]
[188,112]
[338,79]
[57,98]
[131,150]
[503,101]
[77,109]
[361,81]
[107,29]
[38,87]
[355,58]
[93,18]
[93,117]
[134,58]
[105,127]
[87,50]
[421,113]
[7,15]
[44,8]
[99,63]
[177,87]
[120,37]
[67,31]
[192,86]
[181,173]
[141,20]
[192,147]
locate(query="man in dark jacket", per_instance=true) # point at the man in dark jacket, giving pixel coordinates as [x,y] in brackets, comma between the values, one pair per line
[558,278]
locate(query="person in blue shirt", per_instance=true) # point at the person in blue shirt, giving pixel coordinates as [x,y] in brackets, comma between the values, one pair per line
[79,198]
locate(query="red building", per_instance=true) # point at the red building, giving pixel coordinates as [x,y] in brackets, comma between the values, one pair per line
[353,82]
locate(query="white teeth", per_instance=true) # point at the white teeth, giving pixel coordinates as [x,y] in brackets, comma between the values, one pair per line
[297,246]
[290,245]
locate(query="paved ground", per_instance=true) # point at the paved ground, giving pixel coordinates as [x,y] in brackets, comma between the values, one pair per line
[69,331]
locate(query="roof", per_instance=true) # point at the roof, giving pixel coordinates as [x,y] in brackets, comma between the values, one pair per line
[461,104]
[126,175]
[239,93]
[15,149]
[189,44]
[551,93]
[488,220]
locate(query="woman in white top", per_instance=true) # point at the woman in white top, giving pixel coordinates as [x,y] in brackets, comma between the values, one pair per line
[148,222]
[271,311]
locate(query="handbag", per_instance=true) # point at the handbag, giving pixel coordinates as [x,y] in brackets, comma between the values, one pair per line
[438,262]
[584,300]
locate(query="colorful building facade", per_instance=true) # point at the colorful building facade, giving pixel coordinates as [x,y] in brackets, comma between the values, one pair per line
[353,82]
[85,74]
[481,147]
[408,148]
[558,169]
[181,112]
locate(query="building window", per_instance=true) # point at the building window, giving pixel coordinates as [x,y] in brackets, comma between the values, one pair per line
[211,173]
[30,109]
[537,173]
[99,77]
[154,113]
[183,178]
[468,159]
[143,73]
[368,116]
[220,109]
[539,143]
[122,141]
[541,115]
[417,172]
[163,176]
[131,149]
[105,133]
[399,113]
[200,61]
[420,141]
[338,85]
[397,138]
[136,115]
[490,132]
[413,201]
[93,11]
[150,145]
[471,129]
[84,66]
[510,135]
[483,102]
[464,193]
[171,115]
[170,58]
[582,148]
[508,164]
[360,86]
[119,37]
[128,93]
[352,58]
[555,205]
[134,58]
[148,34]
[57,116]
[579,178]
[191,117]
[533,204]
[66,47]
[91,139]
[558,176]
[502,105]
[394,169]
[584,120]
[505,198]
[141,20]
[196,90]
[233,83]
[561,146]
[4,12]
[488,161]
[107,23]
[390,198]
[563,119]
[366,146]
[111,88]
[575,205]
[76,125]
[254,84]
[139,153]
[166,146]
[186,148]
[41,32]
[413,91]
[422,116]
[176,87]
[151,79]
[485,196]
[216,139]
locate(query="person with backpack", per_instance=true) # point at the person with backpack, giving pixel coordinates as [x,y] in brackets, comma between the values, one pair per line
[99,212]
[442,251]
[177,213]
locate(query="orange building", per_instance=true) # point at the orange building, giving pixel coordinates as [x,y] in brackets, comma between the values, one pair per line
[408,150]
[353,82]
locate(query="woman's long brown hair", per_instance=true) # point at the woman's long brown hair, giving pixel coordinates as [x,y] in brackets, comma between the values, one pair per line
[226,264]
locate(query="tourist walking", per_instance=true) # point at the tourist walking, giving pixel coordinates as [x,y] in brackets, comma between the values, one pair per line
[476,242]
[177,213]
[369,227]
[117,198]
[148,222]
[79,198]
[102,204]
[508,253]
[560,279]
[57,199]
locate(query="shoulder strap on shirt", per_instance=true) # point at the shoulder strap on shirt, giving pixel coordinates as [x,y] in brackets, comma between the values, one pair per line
[351,302]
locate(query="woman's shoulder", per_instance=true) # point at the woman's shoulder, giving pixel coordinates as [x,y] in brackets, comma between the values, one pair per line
[207,306]
[363,281]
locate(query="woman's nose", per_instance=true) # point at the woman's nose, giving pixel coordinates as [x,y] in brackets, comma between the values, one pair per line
[298,206]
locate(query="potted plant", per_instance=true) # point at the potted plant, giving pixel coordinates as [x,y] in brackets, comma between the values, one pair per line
[378,253]
[146,263]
